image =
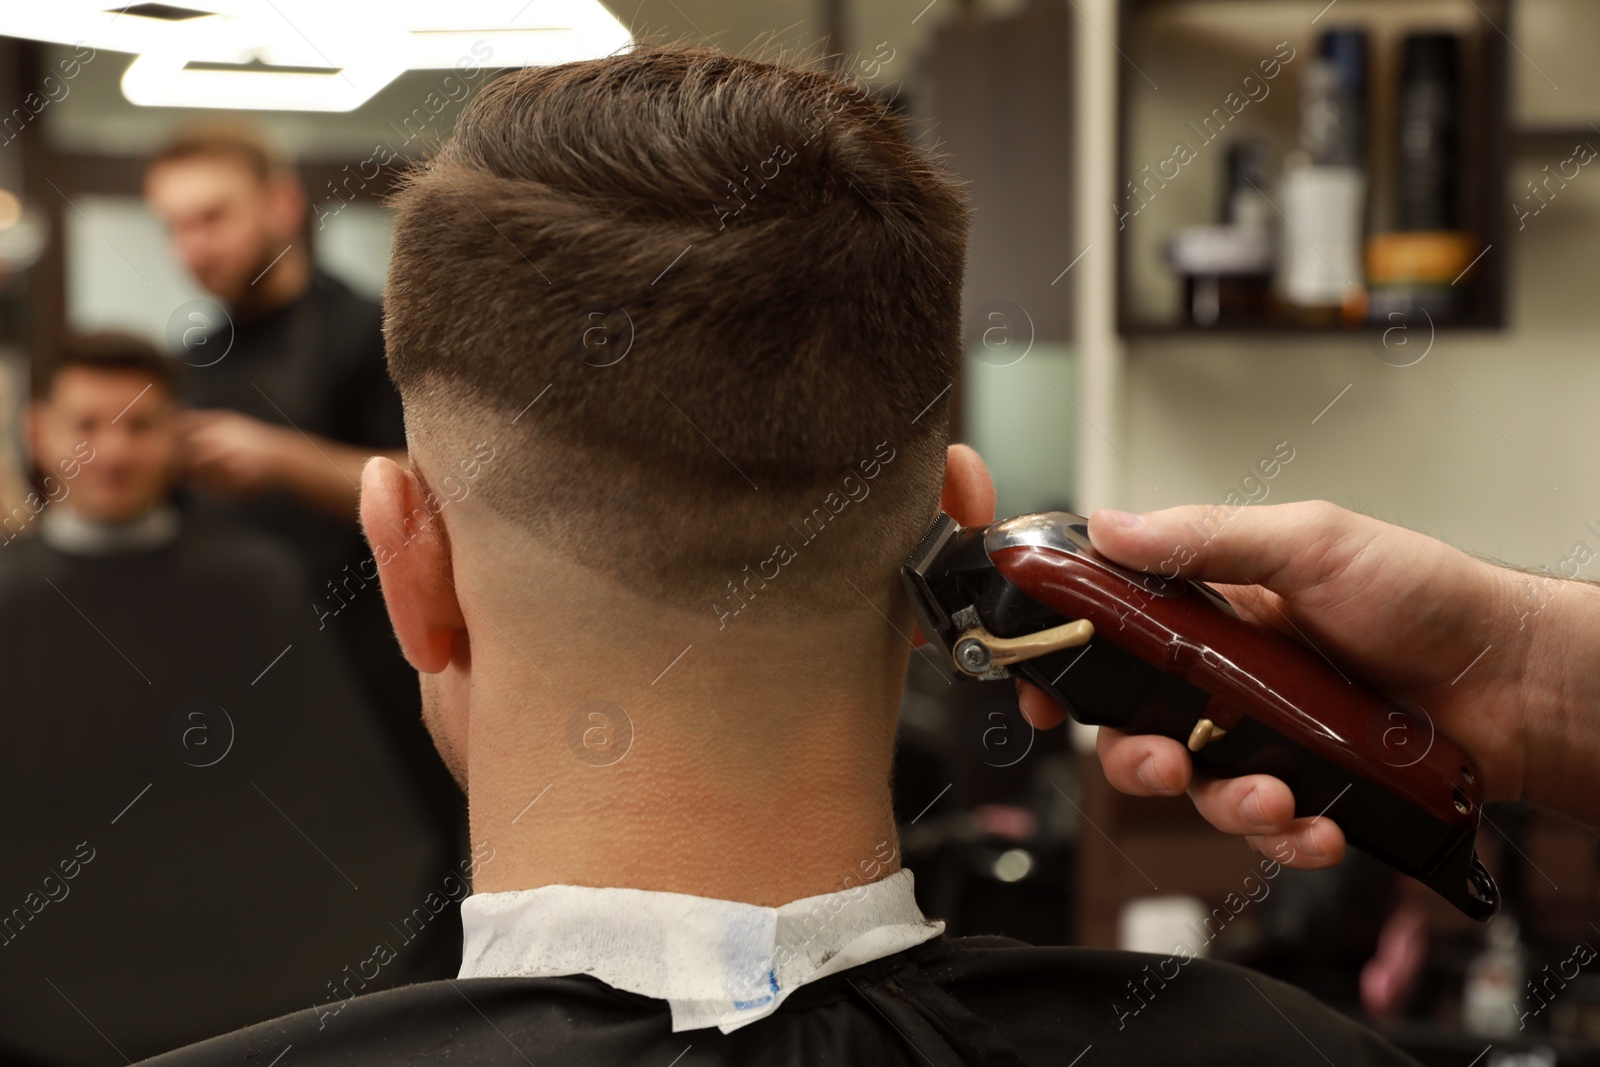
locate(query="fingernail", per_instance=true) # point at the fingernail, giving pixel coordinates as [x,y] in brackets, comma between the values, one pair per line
[1250,809]
[1146,773]
[1307,841]
[1125,520]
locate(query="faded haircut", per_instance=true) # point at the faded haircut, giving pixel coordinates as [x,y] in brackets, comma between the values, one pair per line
[703,308]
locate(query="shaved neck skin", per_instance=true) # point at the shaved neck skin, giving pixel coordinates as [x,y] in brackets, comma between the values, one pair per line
[607,739]
[755,772]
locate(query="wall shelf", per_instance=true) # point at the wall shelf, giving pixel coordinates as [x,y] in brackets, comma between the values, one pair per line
[1178,58]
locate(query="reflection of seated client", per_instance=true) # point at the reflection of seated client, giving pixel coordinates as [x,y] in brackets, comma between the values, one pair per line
[192,787]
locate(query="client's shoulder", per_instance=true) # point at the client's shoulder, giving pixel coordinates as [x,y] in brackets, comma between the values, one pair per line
[470,1020]
[1143,1007]
[961,1000]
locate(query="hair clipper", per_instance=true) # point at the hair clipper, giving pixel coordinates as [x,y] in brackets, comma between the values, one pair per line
[1152,655]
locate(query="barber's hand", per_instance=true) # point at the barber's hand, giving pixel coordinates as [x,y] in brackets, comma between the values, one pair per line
[234,454]
[1413,618]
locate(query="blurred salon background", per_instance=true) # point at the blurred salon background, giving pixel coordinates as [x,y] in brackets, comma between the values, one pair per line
[1223,251]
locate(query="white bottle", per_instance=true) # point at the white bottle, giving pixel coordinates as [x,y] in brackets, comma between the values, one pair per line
[1491,1003]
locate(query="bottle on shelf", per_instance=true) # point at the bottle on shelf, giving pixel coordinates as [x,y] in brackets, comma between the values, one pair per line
[1324,192]
[1416,270]
[1491,998]
[1227,269]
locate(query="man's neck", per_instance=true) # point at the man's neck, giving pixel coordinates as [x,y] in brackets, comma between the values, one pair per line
[68,530]
[742,771]
[280,283]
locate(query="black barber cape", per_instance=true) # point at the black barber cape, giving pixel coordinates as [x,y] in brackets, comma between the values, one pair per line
[204,822]
[975,1000]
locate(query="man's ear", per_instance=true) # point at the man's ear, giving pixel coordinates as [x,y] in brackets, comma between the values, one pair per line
[968,495]
[286,198]
[33,416]
[415,569]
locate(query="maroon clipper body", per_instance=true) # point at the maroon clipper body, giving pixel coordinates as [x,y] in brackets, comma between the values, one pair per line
[1030,596]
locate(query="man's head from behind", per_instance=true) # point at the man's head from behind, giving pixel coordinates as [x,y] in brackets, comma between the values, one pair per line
[704,313]
[229,200]
[107,414]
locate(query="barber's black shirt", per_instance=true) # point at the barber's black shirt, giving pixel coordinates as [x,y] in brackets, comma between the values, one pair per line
[316,364]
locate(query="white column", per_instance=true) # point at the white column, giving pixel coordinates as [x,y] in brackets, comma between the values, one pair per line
[1100,468]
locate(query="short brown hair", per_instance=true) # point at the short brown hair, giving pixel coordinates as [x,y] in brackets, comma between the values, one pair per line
[236,140]
[114,352]
[784,261]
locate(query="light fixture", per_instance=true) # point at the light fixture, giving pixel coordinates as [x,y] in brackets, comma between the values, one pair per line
[312,55]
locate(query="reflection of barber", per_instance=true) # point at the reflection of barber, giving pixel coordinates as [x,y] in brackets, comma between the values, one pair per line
[300,398]
[292,395]
[1503,663]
